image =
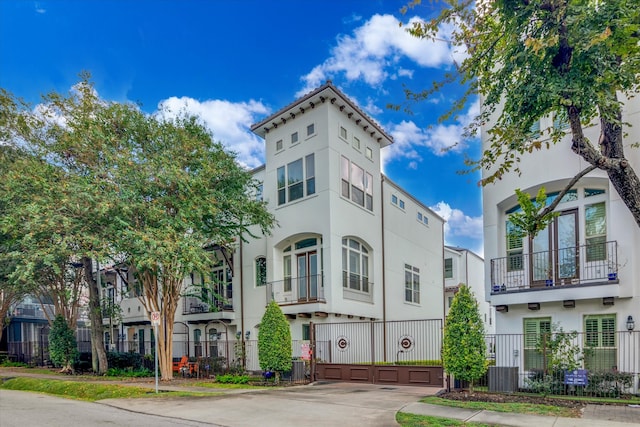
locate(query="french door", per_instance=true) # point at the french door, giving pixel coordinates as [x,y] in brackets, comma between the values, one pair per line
[307,263]
[554,252]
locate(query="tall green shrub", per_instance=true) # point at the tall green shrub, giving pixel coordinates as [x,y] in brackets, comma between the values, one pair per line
[463,350]
[63,348]
[274,340]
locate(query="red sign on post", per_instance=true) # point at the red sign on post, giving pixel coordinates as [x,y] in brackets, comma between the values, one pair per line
[155,318]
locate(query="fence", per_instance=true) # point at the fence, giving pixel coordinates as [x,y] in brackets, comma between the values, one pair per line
[600,363]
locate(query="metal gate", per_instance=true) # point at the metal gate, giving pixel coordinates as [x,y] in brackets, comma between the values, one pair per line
[403,352]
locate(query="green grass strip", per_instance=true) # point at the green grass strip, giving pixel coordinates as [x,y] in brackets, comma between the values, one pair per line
[85,390]
[523,408]
[412,420]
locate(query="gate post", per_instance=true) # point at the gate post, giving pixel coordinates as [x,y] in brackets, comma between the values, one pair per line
[312,351]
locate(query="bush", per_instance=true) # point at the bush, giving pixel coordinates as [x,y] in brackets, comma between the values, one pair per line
[9,364]
[232,379]
[608,384]
[122,360]
[130,373]
[274,340]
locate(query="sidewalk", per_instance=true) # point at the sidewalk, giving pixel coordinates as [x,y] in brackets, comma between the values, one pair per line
[593,416]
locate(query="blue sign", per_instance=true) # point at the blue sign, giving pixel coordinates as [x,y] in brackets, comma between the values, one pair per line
[576,377]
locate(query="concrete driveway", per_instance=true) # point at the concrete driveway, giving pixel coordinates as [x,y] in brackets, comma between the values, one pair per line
[320,404]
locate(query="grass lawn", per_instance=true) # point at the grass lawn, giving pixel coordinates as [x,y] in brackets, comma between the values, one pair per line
[411,420]
[522,408]
[88,391]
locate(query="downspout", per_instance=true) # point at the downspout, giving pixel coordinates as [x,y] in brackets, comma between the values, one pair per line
[384,291]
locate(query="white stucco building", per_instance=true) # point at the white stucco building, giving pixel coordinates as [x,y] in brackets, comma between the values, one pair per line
[350,244]
[583,272]
[462,266]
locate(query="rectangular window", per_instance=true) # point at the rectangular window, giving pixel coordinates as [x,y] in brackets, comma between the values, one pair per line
[595,218]
[536,332]
[294,137]
[401,204]
[356,143]
[394,199]
[310,174]
[535,129]
[357,184]
[344,174]
[559,122]
[368,152]
[259,192]
[295,179]
[601,353]
[261,271]
[411,284]
[279,145]
[286,267]
[448,268]
[420,216]
[343,133]
[311,129]
[306,335]
[514,249]
[369,191]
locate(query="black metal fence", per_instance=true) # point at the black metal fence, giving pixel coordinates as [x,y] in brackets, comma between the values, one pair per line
[589,364]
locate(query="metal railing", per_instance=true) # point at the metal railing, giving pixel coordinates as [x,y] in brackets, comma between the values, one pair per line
[603,363]
[33,311]
[193,305]
[293,290]
[573,266]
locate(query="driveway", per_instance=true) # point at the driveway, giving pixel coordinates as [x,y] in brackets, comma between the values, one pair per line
[324,404]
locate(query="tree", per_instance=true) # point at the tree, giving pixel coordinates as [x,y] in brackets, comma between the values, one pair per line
[575,60]
[463,348]
[63,347]
[274,341]
[154,191]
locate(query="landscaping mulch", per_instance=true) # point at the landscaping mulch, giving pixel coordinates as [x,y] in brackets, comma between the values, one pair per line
[511,398]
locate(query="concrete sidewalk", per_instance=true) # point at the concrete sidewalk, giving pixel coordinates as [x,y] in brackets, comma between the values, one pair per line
[593,416]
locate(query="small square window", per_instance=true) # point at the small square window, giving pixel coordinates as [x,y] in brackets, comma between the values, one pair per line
[356,143]
[343,133]
[401,204]
[425,220]
[420,216]
[394,199]
[279,145]
[294,137]
[311,129]
[368,153]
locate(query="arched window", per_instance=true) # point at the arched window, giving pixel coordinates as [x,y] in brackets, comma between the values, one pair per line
[355,265]
[261,271]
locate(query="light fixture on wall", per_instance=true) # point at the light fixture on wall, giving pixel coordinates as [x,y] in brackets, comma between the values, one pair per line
[569,303]
[502,308]
[247,335]
[631,325]
[534,306]
[135,337]
[607,301]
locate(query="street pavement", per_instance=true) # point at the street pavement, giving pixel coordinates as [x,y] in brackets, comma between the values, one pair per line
[331,404]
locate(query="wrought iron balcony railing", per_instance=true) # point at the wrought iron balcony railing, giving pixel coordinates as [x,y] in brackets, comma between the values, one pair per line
[573,266]
[294,290]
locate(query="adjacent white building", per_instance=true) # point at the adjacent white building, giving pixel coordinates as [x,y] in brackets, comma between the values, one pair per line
[582,273]
[462,266]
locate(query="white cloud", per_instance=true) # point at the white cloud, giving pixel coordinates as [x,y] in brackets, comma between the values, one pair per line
[439,139]
[229,122]
[374,48]
[459,225]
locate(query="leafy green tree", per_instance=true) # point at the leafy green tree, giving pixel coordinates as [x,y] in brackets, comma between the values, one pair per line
[463,348]
[274,340]
[575,60]
[63,348]
[155,192]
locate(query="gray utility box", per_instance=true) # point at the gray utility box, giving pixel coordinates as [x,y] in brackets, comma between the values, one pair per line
[503,379]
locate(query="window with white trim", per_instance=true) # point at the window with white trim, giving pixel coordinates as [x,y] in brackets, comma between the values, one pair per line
[261,271]
[595,218]
[356,184]
[601,351]
[411,284]
[296,180]
[448,268]
[368,153]
[343,133]
[311,129]
[514,249]
[355,265]
[535,330]
[294,137]
[279,145]
[356,143]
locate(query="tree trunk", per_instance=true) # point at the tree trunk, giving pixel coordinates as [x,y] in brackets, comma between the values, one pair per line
[99,357]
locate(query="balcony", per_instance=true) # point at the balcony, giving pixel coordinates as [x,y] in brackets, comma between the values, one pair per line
[586,265]
[192,305]
[297,290]
[33,311]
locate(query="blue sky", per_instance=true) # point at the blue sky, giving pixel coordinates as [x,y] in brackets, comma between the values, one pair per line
[234,62]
